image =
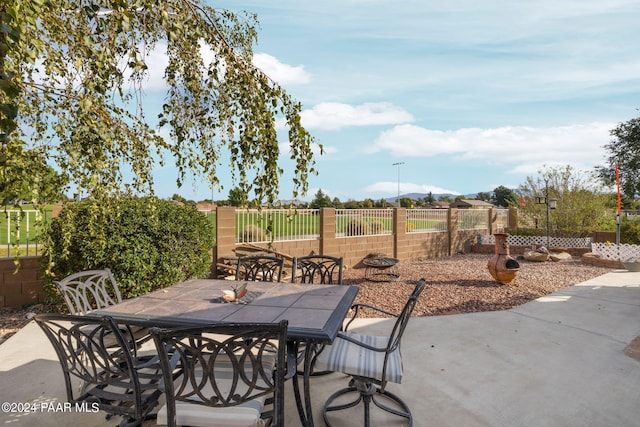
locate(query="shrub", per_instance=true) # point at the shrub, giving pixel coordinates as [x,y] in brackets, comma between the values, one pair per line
[146,242]
[630,231]
[376,227]
[253,233]
[357,227]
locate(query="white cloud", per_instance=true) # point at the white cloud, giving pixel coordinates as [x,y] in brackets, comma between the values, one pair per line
[406,188]
[157,61]
[334,116]
[284,74]
[518,149]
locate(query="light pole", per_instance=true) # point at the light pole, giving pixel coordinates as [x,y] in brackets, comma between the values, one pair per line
[551,203]
[398,198]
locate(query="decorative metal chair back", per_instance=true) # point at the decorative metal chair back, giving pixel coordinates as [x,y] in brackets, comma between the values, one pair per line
[261,267]
[371,361]
[97,352]
[89,290]
[318,269]
[227,371]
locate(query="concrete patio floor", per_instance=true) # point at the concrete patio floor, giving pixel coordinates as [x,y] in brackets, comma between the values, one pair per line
[571,358]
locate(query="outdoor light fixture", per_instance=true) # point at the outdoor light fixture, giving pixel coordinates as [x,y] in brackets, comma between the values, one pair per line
[552,203]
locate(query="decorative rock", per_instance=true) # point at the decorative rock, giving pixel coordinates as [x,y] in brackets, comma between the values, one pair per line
[559,256]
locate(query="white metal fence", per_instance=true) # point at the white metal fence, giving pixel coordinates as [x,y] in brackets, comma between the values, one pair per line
[363,222]
[502,219]
[266,225]
[473,219]
[20,232]
[427,220]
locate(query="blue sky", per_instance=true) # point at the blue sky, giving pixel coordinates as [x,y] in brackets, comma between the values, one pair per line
[468,95]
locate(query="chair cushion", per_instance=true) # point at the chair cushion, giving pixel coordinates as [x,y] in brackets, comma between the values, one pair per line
[352,359]
[245,414]
[190,414]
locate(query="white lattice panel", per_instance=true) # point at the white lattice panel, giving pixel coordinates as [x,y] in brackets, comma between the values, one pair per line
[554,242]
[623,252]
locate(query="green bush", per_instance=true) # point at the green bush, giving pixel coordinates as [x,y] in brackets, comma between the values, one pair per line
[146,242]
[357,227]
[376,227]
[630,231]
[253,233]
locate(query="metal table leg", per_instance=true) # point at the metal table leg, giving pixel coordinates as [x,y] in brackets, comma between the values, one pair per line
[304,410]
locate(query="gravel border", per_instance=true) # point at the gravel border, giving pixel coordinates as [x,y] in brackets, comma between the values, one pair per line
[463,284]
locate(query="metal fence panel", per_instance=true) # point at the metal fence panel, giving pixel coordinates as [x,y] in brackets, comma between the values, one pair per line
[473,219]
[266,225]
[20,232]
[427,220]
[363,222]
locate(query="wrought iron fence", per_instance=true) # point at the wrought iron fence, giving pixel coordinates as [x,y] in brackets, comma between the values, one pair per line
[502,219]
[427,220]
[266,225]
[20,232]
[473,219]
[363,222]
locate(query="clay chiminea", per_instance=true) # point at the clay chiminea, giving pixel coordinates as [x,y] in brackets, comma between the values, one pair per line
[502,266]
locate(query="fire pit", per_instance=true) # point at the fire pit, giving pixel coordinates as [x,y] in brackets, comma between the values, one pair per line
[381,269]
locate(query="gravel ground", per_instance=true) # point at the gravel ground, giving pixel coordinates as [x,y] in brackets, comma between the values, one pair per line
[457,284]
[462,284]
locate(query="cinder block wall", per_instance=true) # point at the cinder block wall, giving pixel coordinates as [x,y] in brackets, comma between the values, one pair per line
[20,285]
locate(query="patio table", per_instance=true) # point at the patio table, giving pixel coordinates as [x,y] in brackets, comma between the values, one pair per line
[315,314]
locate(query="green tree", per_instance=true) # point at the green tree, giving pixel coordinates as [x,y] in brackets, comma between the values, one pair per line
[504,197]
[484,196]
[382,203]
[24,175]
[237,197]
[321,200]
[406,202]
[579,206]
[624,149]
[71,89]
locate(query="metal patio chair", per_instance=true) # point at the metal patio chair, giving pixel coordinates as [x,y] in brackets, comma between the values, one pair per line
[262,268]
[321,270]
[371,361]
[317,269]
[228,374]
[90,290]
[100,366]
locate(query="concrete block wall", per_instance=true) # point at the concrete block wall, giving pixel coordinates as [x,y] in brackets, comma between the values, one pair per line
[23,285]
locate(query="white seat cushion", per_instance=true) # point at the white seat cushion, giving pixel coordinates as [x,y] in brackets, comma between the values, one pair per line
[352,359]
[245,414]
[190,414]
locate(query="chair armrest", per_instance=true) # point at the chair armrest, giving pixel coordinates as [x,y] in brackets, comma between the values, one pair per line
[357,308]
[361,344]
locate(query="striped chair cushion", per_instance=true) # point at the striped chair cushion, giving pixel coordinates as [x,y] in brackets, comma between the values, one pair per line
[352,359]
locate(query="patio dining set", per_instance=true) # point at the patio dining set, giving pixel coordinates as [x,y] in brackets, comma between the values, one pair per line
[218,352]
